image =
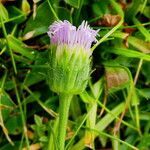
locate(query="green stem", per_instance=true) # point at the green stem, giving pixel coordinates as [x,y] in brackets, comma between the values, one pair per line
[6,37]
[22,115]
[53,11]
[64,105]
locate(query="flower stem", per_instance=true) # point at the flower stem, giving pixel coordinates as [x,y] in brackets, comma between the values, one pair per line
[64,105]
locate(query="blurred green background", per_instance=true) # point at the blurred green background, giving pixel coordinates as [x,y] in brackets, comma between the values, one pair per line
[113,112]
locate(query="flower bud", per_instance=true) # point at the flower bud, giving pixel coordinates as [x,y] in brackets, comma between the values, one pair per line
[69,57]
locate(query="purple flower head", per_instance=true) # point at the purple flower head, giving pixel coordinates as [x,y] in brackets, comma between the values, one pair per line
[63,32]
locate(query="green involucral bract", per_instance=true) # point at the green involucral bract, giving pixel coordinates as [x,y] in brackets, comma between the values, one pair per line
[69,69]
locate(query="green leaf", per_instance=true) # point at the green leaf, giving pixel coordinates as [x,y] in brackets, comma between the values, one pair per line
[39,25]
[63,13]
[133,9]
[3,12]
[146,11]
[86,97]
[139,44]
[10,147]
[15,15]
[6,104]
[39,70]
[146,71]
[100,8]
[14,124]
[21,48]
[144,143]
[144,31]
[43,139]
[145,92]
[33,78]
[102,124]
[74,3]
[129,53]
[38,120]
[108,118]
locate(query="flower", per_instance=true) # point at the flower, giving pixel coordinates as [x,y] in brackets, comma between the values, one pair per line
[63,32]
[69,56]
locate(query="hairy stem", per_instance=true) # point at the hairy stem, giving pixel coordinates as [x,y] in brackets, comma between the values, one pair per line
[64,105]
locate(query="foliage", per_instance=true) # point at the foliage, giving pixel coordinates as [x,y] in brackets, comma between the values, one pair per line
[113,112]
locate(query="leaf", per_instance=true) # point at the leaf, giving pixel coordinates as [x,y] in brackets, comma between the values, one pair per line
[108,118]
[116,77]
[25,7]
[133,9]
[100,8]
[3,12]
[103,140]
[14,124]
[39,70]
[63,13]
[139,44]
[30,98]
[33,77]
[102,124]
[129,53]
[7,105]
[15,15]
[143,31]
[74,3]
[43,139]
[146,11]
[10,147]
[39,25]
[144,92]
[38,120]
[86,97]
[19,47]
[144,143]
[146,71]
